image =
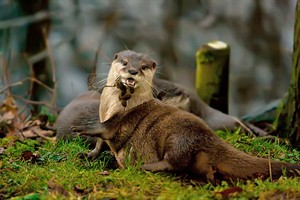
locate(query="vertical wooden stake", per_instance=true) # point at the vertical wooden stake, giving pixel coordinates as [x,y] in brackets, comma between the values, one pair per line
[212,74]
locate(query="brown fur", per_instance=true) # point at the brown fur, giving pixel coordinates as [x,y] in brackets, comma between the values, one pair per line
[166,138]
[82,112]
[185,99]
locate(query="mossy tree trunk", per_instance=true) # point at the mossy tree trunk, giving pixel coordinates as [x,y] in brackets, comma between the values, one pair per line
[212,74]
[288,122]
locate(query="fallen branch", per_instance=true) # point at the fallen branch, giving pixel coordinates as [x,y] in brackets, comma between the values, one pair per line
[52,64]
[33,102]
[21,82]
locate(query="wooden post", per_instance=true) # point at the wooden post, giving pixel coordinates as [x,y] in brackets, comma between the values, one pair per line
[288,122]
[212,74]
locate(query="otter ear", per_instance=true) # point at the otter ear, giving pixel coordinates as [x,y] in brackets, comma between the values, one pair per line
[116,56]
[154,65]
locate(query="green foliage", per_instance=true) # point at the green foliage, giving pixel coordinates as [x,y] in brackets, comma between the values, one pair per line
[45,111]
[58,172]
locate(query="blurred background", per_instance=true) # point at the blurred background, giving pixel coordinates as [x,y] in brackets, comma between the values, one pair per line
[259,32]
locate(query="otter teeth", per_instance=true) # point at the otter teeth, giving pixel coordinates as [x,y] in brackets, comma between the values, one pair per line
[130,82]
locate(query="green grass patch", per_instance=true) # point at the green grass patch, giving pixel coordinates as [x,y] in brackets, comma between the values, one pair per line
[56,172]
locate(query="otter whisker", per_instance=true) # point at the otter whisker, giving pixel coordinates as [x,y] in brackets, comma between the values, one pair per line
[100,84]
[152,87]
[116,82]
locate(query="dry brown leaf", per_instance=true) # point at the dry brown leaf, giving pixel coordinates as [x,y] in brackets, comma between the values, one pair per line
[55,187]
[29,156]
[9,119]
[80,191]
[34,132]
[12,124]
[32,129]
[9,104]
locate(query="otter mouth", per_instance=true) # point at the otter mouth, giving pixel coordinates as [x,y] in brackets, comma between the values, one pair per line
[130,82]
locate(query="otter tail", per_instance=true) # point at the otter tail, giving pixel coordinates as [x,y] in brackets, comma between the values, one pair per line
[235,164]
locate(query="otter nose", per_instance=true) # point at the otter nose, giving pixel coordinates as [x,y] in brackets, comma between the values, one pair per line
[132,72]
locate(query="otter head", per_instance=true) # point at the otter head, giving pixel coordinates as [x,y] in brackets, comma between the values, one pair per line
[133,70]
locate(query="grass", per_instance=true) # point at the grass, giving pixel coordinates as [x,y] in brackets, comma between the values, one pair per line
[58,173]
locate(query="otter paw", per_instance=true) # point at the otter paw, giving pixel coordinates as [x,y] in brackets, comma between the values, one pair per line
[124,103]
[90,155]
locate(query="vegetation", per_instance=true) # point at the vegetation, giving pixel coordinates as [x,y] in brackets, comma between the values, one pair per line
[32,170]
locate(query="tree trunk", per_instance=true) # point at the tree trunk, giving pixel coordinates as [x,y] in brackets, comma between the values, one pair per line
[212,74]
[288,122]
[35,43]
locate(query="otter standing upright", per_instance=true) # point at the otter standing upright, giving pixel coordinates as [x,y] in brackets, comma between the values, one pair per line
[164,137]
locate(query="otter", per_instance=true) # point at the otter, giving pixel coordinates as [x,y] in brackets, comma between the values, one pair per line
[82,112]
[165,138]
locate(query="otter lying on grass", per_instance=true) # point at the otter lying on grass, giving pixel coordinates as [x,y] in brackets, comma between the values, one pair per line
[166,138]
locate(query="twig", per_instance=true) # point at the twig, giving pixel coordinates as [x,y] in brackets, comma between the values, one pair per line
[21,21]
[31,75]
[42,84]
[44,54]
[5,72]
[33,102]
[43,136]
[23,80]
[270,168]
[52,63]
[37,17]
[12,85]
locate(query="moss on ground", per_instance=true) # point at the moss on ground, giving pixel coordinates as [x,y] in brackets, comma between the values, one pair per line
[30,170]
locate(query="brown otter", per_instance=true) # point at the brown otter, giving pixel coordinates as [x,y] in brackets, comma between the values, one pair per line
[165,138]
[83,109]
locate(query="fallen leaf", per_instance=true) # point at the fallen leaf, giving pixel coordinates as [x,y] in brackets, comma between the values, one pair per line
[81,191]
[7,117]
[29,156]
[32,129]
[10,122]
[9,104]
[54,187]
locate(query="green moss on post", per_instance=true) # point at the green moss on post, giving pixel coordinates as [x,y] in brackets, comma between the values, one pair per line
[212,74]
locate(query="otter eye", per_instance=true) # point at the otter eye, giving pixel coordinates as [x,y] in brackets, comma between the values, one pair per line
[123,62]
[144,67]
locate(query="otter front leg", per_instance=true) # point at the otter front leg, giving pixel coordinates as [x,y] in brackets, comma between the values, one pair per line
[93,154]
[97,150]
[162,165]
[102,131]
